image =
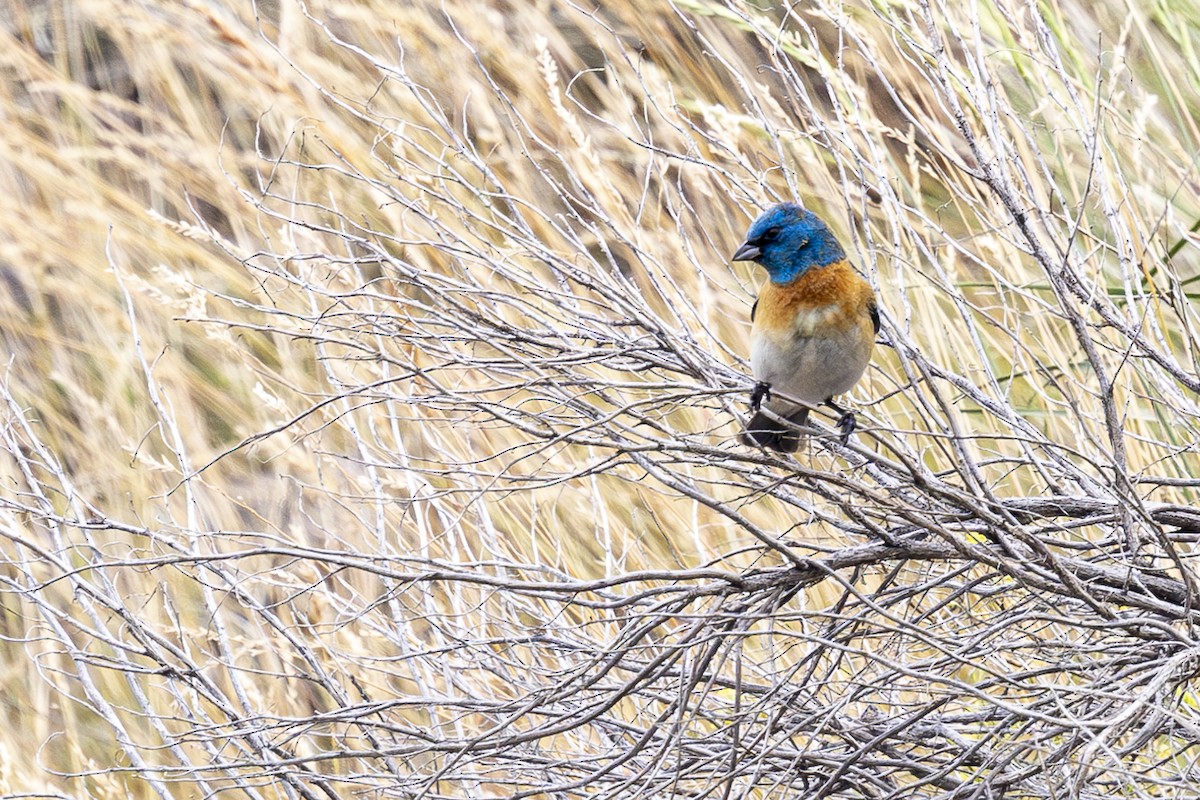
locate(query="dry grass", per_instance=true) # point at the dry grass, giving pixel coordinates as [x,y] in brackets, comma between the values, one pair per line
[375,371]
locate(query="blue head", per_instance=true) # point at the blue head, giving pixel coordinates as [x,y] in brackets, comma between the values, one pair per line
[789,241]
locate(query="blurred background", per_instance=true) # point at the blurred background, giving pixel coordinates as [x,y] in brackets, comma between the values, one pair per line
[373,373]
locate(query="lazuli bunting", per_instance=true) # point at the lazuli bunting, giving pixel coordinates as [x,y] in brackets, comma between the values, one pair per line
[814,324]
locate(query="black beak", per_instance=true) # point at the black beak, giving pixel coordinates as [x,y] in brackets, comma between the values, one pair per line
[747,252]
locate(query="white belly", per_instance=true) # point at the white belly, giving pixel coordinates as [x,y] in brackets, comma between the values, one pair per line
[809,363]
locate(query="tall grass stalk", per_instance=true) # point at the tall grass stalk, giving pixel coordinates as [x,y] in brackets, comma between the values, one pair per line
[375,371]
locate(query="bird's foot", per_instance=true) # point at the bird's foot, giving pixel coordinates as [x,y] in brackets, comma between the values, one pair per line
[760,393]
[847,424]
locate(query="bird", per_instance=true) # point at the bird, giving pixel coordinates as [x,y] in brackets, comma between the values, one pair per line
[813,325]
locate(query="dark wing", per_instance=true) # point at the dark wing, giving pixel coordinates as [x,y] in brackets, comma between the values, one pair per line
[872,309]
[754,308]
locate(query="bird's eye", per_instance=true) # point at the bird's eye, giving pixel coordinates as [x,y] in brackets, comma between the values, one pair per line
[770,233]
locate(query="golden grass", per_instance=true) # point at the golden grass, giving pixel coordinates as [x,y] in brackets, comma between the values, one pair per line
[351,343]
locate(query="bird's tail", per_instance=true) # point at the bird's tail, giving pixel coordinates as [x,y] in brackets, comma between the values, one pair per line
[774,433]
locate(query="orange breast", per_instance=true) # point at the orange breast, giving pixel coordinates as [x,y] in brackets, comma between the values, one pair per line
[831,298]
